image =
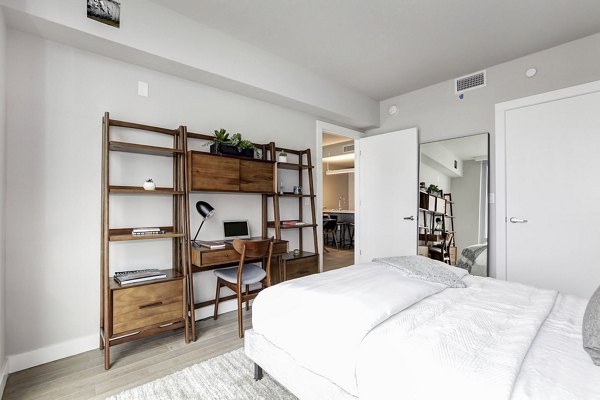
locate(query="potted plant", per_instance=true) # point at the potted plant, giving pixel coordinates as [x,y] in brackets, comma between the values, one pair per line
[434,190]
[236,146]
[282,156]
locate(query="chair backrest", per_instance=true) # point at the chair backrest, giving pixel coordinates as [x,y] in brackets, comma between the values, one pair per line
[254,249]
[330,224]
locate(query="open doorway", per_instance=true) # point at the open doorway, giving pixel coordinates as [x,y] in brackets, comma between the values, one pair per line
[338,195]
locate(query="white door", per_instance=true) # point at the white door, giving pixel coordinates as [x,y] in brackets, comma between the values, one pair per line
[553,194]
[388,186]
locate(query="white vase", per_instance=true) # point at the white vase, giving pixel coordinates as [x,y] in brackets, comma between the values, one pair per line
[149,186]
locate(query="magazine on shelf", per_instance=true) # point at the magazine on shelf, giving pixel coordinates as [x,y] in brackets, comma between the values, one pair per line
[292,223]
[212,245]
[129,277]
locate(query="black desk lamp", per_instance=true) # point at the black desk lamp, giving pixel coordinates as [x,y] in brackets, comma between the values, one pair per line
[206,211]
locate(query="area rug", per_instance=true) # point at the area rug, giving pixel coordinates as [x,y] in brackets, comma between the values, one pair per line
[229,376]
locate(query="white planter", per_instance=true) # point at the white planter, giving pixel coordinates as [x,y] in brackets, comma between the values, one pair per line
[149,186]
[282,158]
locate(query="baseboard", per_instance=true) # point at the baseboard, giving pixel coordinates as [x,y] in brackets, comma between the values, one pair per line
[224,307]
[18,362]
[4,376]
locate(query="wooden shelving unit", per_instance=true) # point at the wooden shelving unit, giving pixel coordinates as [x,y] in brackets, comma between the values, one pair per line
[135,311]
[306,262]
[432,208]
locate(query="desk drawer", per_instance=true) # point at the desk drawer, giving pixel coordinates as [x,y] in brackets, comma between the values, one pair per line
[301,267]
[219,256]
[141,306]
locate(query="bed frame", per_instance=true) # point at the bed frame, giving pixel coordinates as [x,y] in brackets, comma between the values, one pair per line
[302,382]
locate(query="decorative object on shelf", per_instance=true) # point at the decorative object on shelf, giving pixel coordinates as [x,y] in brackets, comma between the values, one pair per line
[422,186]
[234,146]
[297,189]
[106,11]
[207,211]
[434,190]
[149,184]
[296,252]
[280,187]
[282,156]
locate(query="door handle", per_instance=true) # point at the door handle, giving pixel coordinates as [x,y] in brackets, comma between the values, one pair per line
[517,220]
[411,218]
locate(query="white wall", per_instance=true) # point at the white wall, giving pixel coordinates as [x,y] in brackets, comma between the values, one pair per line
[439,114]
[432,176]
[146,37]
[465,194]
[56,96]
[3,363]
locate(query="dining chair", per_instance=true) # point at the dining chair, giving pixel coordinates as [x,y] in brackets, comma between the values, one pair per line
[242,276]
[330,228]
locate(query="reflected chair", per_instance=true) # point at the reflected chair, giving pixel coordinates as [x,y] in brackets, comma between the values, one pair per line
[241,277]
[441,252]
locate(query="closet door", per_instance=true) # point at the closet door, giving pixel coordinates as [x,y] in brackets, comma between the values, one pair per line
[553,194]
[388,187]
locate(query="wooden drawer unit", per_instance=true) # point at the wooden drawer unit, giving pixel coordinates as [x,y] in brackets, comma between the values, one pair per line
[214,173]
[298,267]
[257,176]
[137,307]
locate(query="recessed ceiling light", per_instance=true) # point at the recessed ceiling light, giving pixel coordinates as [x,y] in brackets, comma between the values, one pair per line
[393,110]
[530,73]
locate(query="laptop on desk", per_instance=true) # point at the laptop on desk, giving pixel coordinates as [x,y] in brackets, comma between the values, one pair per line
[236,229]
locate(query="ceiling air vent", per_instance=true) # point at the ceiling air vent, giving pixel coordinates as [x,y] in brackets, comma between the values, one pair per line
[348,149]
[469,82]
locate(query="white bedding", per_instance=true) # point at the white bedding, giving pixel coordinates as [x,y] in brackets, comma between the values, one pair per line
[321,320]
[557,367]
[459,344]
[375,334]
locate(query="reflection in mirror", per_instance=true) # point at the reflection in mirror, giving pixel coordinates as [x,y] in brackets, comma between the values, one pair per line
[453,202]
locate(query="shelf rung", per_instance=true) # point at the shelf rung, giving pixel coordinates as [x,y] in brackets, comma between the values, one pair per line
[143,149]
[140,190]
[133,125]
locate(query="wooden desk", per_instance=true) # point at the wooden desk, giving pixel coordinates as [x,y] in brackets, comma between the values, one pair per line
[205,259]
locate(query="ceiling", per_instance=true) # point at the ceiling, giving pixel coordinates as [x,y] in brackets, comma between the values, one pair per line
[330,138]
[466,148]
[383,48]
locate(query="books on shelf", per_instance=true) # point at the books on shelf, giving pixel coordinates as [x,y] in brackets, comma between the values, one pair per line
[137,276]
[147,231]
[212,245]
[293,223]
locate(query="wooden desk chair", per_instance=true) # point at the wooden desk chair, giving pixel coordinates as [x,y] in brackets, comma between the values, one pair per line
[244,275]
[441,252]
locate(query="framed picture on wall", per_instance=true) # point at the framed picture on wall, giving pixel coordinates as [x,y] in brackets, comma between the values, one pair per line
[106,11]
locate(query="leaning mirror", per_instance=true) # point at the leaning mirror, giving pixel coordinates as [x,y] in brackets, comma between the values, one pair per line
[453,202]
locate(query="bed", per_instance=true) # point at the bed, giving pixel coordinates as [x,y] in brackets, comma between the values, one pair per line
[374,331]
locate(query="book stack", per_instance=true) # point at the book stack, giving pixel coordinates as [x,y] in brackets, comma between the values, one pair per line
[212,245]
[137,276]
[147,231]
[293,223]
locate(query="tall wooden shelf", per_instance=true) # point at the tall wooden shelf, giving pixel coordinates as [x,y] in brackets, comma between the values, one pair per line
[135,311]
[437,207]
[306,262]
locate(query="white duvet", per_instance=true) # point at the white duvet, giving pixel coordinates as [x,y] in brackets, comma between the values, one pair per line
[459,344]
[321,320]
[379,335]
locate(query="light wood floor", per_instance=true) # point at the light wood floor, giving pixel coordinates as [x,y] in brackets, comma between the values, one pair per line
[337,258]
[83,376]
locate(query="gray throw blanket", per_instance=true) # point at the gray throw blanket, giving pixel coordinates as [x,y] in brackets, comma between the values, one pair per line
[469,255]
